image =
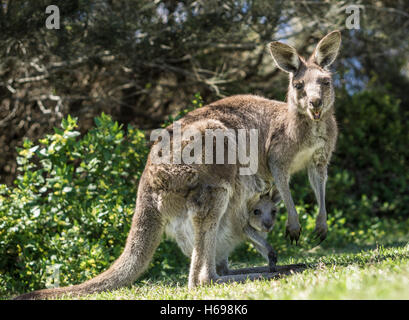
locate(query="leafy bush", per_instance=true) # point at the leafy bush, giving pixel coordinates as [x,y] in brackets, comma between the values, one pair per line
[371,164]
[71,203]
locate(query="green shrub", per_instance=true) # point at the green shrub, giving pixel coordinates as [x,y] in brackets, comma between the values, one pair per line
[371,166]
[71,204]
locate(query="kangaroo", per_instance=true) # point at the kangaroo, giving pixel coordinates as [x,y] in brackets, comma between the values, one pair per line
[261,221]
[251,224]
[293,135]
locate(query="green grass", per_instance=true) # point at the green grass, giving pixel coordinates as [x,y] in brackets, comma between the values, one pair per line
[357,272]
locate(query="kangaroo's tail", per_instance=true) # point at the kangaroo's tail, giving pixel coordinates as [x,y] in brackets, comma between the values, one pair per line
[143,239]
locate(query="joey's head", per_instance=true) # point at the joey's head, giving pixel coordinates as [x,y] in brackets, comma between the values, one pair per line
[263,214]
[311,91]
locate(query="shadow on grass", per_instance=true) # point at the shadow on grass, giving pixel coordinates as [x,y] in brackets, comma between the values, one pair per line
[177,280]
[299,261]
[295,261]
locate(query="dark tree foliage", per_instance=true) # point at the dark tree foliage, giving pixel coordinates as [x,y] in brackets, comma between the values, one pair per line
[142,60]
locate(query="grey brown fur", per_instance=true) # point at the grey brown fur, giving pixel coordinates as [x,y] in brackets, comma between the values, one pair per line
[293,135]
[252,223]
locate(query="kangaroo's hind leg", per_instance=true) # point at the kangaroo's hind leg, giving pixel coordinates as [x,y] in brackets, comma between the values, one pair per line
[208,205]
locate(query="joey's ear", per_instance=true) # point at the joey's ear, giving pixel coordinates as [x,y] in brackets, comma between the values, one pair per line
[275,196]
[285,56]
[327,49]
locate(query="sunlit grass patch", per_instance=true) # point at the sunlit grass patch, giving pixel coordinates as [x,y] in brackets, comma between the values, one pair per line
[369,273]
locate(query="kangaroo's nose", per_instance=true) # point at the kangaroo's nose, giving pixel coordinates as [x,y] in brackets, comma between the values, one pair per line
[315,103]
[267,224]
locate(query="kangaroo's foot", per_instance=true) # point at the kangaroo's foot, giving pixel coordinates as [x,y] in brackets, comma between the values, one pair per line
[260,273]
[248,276]
[266,269]
[293,229]
[256,273]
[321,229]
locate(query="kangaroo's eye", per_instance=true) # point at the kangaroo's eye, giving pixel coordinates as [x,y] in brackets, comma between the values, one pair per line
[326,82]
[257,212]
[299,85]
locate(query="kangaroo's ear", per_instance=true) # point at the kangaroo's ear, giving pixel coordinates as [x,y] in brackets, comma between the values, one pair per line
[285,56]
[275,196]
[327,49]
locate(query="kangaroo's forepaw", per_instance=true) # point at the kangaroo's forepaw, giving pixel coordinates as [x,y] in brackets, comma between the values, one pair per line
[293,230]
[320,231]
